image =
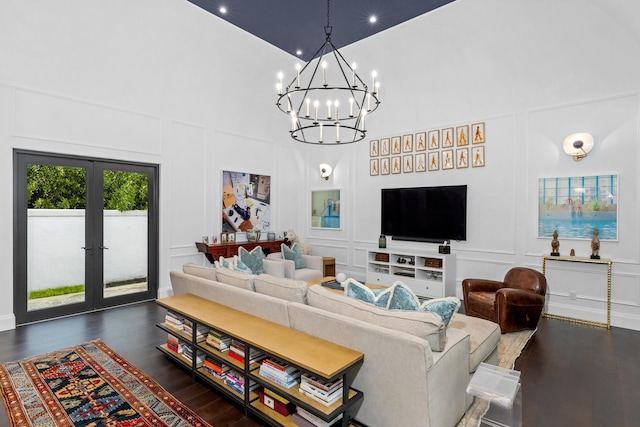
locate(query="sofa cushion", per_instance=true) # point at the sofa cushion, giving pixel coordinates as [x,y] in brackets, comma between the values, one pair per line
[483,337]
[425,325]
[287,289]
[200,271]
[445,307]
[233,264]
[357,290]
[253,259]
[294,254]
[235,278]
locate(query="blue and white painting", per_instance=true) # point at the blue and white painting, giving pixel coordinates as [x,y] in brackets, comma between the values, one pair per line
[325,209]
[576,206]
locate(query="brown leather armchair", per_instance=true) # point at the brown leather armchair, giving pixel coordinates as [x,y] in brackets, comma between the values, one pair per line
[515,304]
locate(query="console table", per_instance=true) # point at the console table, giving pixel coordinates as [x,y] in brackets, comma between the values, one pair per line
[323,359]
[606,262]
[228,250]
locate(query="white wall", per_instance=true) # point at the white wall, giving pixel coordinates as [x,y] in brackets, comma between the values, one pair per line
[534,72]
[156,81]
[183,89]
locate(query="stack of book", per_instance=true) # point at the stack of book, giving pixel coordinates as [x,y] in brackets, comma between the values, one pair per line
[187,353]
[237,351]
[173,321]
[324,392]
[273,400]
[280,373]
[214,368]
[173,343]
[201,330]
[304,418]
[218,340]
[235,380]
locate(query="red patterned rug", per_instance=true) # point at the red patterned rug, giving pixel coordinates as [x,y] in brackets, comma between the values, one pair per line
[88,385]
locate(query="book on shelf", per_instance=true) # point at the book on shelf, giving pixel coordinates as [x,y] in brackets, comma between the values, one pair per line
[218,370]
[314,420]
[277,380]
[201,330]
[218,341]
[315,397]
[173,320]
[321,384]
[236,381]
[187,353]
[284,409]
[291,373]
[256,357]
[275,395]
[321,394]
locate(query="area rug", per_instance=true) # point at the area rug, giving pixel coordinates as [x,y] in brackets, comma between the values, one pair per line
[88,385]
[509,348]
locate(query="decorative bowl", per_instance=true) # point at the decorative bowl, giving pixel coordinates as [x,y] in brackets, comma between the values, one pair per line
[253,235]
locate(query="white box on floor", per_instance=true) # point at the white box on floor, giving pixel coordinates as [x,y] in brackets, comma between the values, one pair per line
[501,387]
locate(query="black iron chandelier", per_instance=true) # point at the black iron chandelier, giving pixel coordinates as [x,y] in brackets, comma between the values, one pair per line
[327,101]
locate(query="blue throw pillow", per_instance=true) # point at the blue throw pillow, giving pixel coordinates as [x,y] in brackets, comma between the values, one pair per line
[402,298]
[445,307]
[234,264]
[294,254]
[252,259]
[356,290]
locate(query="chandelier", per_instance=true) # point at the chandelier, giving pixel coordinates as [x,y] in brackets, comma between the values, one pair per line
[327,101]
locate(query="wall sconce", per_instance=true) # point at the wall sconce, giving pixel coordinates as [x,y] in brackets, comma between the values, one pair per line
[325,171]
[578,145]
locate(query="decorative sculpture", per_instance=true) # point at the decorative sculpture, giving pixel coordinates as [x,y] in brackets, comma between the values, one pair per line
[595,245]
[555,244]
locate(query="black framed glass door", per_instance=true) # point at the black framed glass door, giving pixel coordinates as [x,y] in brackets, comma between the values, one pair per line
[85,234]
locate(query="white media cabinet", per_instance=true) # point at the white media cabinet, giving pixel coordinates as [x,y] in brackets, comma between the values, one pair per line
[428,274]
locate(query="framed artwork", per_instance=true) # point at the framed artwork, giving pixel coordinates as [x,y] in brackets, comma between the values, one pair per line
[395,145]
[325,208]
[462,158]
[384,166]
[231,237]
[396,167]
[384,147]
[224,237]
[374,167]
[246,201]
[477,133]
[421,162]
[575,206]
[447,159]
[373,148]
[477,157]
[447,137]
[434,139]
[407,163]
[434,161]
[407,143]
[421,141]
[462,135]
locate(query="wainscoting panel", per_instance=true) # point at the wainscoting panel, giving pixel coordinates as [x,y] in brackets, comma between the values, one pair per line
[55,118]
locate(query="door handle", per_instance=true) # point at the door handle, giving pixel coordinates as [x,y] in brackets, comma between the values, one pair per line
[87,249]
[103,247]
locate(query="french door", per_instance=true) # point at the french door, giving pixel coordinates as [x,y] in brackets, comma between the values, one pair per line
[85,235]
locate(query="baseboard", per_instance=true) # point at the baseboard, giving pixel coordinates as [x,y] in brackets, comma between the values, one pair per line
[7,322]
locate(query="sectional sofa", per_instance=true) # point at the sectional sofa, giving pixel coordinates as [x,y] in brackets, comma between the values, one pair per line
[415,370]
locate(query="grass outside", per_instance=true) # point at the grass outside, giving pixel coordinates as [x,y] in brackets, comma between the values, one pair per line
[52,292]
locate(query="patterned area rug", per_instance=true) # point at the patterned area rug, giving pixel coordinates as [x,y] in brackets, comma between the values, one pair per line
[88,385]
[509,348]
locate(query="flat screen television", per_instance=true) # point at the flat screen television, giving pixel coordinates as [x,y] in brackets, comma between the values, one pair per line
[425,214]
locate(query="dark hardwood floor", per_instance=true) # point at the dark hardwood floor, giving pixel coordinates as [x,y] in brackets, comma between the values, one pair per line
[571,375]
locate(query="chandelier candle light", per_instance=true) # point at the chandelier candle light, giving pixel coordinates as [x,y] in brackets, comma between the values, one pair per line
[328,78]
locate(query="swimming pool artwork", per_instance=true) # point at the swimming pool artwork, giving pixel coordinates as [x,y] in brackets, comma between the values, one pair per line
[575,206]
[325,209]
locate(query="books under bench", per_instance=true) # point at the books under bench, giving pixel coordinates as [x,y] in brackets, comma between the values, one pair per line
[179,323]
[184,350]
[299,415]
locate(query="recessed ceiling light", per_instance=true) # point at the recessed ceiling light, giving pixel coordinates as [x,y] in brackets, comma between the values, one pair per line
[298,52]
[223,10]
[373,19]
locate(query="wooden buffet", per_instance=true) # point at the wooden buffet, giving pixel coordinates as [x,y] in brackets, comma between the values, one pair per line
[228,250]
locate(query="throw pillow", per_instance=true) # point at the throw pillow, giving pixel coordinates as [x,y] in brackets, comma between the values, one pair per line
[445,307]
[402,298]
[252,259]
[357,290]
[233,264]
[294,254]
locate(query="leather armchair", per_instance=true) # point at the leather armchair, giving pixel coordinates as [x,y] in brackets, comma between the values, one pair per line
[515,304]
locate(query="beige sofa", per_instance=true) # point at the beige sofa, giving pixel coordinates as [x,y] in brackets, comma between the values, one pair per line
[312,270]
[404,380]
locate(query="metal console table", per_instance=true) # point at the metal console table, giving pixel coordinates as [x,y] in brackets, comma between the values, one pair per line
[608,263]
